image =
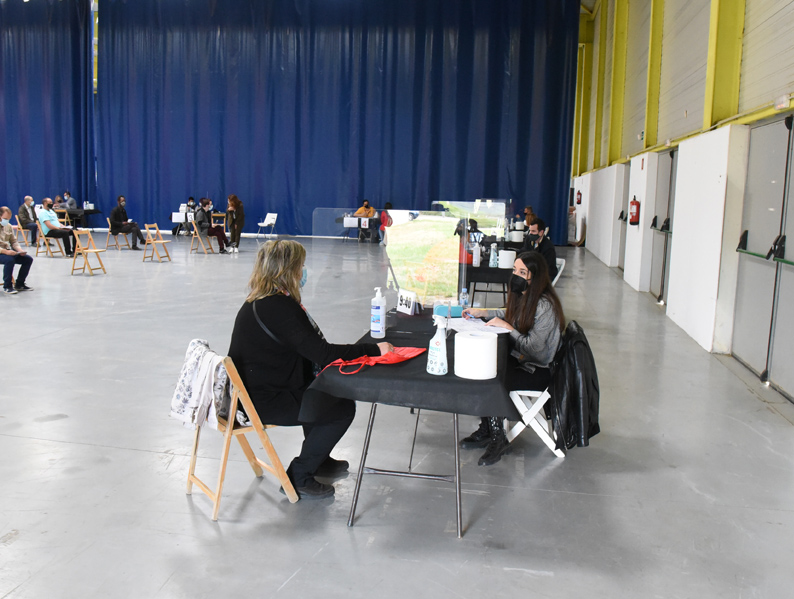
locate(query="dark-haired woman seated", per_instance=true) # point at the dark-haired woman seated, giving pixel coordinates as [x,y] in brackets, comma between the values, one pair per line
[275,345]
[536,321]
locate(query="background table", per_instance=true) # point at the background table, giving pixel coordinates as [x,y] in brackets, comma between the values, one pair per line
[408,384]
[487,274]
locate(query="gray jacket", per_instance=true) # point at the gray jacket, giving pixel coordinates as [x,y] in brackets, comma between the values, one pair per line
[540,344]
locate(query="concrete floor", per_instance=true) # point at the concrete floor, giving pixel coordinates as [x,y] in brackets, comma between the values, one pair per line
[687,492]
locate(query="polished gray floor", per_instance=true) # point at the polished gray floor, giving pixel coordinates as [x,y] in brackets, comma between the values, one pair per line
[687,492]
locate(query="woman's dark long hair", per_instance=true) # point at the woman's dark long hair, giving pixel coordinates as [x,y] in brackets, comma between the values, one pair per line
[520,309]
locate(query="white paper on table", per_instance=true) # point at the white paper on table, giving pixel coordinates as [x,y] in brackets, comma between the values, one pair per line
[462,325]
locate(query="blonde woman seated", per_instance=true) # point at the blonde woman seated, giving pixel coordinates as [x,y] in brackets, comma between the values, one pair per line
[536,322]
[275,346]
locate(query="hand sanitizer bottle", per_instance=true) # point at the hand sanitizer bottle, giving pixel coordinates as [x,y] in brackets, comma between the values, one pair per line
[437,352]
[377,325]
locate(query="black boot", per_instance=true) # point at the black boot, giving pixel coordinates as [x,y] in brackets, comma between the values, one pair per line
[478,438]
[497,446]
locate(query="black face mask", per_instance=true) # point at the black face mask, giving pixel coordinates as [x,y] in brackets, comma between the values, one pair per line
[533,237]
[518,284]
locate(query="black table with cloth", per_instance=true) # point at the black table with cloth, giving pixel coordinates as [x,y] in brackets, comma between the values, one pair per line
[408,384]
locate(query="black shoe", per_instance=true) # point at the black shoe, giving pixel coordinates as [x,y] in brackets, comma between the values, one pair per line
[23,287]
[313,490]
[498,445]
[72,254]
[222,252]
[135,247]
[332,467]
[479,438]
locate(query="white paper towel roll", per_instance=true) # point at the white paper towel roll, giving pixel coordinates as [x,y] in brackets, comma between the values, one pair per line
[506,258]
[520,225]
[475,355]
[517,236]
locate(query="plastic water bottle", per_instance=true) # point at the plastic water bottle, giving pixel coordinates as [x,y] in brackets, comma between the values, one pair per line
[377,325]
[475,256]
[464,298]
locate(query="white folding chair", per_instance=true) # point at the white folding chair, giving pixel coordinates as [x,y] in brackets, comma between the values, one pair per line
[269,221]
[530,406]
[560,267]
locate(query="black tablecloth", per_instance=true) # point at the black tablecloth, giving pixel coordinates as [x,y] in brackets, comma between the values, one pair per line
[408,384]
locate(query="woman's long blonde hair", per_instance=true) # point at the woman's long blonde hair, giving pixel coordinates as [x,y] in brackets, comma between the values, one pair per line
[277,270]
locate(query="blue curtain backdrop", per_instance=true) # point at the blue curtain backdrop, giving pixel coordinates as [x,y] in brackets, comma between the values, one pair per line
[46,100]
[297,104]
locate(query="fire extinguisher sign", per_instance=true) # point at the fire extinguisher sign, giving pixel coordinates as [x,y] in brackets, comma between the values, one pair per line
[634,212]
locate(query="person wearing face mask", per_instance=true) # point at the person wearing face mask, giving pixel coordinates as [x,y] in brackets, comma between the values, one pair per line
[119,223]
[277,349]
[185,227]
[205,226]
[68,203]
[235,216]
[52,228]
[10,254]
[536,241]
[27,219]
[536,322]
[367,211]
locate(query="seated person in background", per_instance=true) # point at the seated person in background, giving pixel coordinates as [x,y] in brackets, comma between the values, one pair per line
[205,226]
[11,253]
[385,221]
[52,228]
[365,211]
[536,241]
[536,321]
[119,223]
[276,347]
[58,203]
[186,227]
[68,202]
[27,219]
[235,217]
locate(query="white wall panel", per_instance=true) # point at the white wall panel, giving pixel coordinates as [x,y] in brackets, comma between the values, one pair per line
[639,238]
[709,189]
[683,77]
[608,188]
[768,53]
[636,76]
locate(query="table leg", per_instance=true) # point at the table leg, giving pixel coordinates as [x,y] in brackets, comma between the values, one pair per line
[360,476]
[457,476]
[413,445]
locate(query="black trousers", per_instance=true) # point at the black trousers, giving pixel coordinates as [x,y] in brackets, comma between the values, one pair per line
[518,379]
[66,235]
[135,230]
[328,426]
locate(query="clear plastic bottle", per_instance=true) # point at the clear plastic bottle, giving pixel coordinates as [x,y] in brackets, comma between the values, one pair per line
[464,298]
[377,325]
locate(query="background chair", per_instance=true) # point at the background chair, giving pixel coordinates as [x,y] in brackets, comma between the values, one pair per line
[23,231]
[560,267]
[63,217]
[199,240]
[46,247]
[230,428]
[116,238]
[268,221]
[155,243]
[83,248]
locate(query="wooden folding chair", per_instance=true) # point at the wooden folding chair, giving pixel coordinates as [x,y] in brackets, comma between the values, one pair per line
[63,217]
[155,243]
[530,406]
[230,428]
[198,241]
[23,231]
[116,239]
[46,247]
[219,218]
[83,249]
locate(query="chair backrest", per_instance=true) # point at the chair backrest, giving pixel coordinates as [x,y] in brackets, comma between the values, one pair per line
[22,230]
[153,233]
[63,216]
[560,267]
[83,241]
[270,219]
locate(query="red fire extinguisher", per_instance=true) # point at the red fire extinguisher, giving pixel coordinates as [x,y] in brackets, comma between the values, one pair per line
[634,212]
[578,197]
